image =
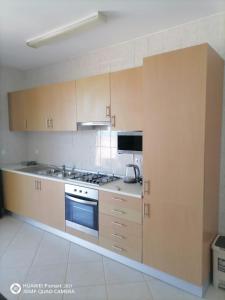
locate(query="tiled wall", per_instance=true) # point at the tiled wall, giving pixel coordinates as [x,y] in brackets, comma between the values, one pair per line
[90,149]
[83,148]
[12,145]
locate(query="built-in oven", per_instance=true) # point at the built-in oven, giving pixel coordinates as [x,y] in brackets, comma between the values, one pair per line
[81,209]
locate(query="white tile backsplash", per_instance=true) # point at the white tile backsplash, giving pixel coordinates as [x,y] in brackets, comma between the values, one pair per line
[96,150]
[86,149]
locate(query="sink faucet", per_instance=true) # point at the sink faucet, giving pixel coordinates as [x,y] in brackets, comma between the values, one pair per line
[63,170]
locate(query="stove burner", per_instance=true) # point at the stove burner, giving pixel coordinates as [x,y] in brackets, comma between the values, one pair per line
[94,178]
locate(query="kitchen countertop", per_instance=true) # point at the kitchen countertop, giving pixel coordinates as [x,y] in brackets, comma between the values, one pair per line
[118,186]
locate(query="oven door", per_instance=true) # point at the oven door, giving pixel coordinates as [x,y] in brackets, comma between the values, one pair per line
[82,214]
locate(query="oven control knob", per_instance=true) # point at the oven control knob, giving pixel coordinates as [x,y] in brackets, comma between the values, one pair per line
[75,190]
[80,191]
[86,192]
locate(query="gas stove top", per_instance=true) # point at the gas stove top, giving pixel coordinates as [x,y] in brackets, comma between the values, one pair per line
[92,178]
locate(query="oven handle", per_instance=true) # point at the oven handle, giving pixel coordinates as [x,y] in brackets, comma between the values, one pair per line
[82,201]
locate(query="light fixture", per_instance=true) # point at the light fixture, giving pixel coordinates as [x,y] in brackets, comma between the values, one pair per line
[65,31]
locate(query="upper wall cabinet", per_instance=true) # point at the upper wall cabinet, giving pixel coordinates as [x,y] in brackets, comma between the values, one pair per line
[17,111]
[93,99]
[46,108]
[58,106]
[127,100]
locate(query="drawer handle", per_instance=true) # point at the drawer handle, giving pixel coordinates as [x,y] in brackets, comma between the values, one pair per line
[118,224]
[118,236]
[121,212]
[118,248]
[146,210]
[119,199]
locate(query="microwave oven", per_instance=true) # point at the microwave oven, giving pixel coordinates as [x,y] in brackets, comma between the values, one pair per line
[129,142]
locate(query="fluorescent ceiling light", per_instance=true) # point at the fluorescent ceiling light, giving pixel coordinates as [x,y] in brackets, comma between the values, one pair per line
[66,31]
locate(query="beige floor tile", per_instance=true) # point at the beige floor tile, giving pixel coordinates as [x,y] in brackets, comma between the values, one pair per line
[97,292]
[9,227]
[118,273]
[80,254]
[215,294]
[17,258]
[28,237]
[52,250]
[50,274]
[129,291]
[85,274]
[163,291]
[8,276]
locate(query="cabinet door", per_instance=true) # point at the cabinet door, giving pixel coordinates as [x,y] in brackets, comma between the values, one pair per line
[93,98]
[127,100]
[52,203]
[174,162]
[35,110]
[20,194]
[60,105]
[17,111]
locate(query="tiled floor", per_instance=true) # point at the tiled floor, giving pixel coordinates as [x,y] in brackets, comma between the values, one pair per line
[30,255]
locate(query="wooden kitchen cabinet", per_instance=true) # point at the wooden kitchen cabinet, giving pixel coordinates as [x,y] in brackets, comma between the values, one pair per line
[20,194]
[93,99]
[17,112]
[23,110]
[53,203]
[45,108]
[182,129]
[32,197]
[120,224]
[127,100]
[57,104]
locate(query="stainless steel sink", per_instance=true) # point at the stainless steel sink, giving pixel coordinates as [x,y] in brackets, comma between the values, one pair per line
[45,170]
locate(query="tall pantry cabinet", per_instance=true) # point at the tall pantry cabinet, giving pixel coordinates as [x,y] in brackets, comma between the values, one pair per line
[182,129]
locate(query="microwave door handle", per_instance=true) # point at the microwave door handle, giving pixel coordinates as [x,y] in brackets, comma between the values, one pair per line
[82,201]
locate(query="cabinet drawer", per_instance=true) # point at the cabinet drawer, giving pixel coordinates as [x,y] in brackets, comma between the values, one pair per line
[109,225]
[124,207]
[131,249]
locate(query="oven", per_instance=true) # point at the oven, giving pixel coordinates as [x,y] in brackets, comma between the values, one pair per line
[81,209]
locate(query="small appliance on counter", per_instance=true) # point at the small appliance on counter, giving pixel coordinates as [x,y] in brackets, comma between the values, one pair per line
[132,174]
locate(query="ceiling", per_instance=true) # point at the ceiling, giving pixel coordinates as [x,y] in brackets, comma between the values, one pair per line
[126,19]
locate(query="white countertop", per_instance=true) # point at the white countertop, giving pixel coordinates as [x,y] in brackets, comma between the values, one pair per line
[118,186]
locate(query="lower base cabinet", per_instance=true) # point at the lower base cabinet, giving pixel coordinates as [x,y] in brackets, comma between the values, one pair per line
[32,197]
[120,224]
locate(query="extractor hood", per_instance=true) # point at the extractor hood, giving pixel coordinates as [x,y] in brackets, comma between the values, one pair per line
[93,125]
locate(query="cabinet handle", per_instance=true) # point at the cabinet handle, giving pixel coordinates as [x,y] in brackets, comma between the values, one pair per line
[146,210]
[121,237]
[47,123]
[113,121]
[39,185]
[118,224]
[51,123]
[107,111]
[147,187]
[25,124]
[118,248]
[119,199]
[121,212]
[35,184]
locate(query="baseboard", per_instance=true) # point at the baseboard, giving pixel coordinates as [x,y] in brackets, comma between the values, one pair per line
[169,279]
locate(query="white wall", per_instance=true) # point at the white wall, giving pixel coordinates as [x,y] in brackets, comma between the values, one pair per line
[56,147]
[12,145]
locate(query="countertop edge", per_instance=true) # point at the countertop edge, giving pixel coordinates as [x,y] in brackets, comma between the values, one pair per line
[100,188]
